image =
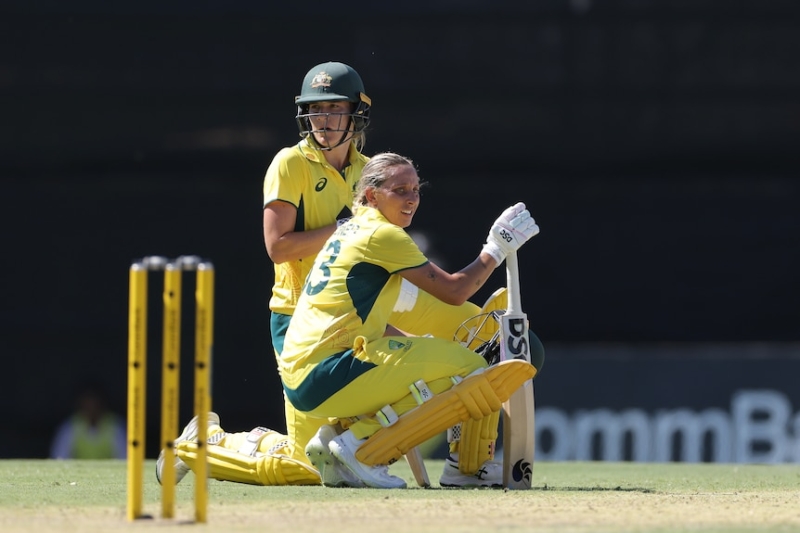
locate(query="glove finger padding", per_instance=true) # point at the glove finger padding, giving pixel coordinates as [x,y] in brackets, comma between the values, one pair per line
[524,224]
[511,212]
[513,228]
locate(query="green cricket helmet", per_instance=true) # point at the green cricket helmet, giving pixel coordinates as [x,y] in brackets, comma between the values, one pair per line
[333,82]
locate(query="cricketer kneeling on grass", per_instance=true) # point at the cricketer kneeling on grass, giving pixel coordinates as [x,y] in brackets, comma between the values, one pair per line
[343,359]
[319,363]
[260,456]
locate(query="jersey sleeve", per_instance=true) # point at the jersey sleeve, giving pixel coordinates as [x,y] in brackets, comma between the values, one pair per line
[284,178]
[395,250]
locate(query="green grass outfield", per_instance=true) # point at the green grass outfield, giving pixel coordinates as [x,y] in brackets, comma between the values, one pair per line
[46,496]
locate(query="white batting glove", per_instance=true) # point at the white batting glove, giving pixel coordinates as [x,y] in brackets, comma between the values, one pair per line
[509,232]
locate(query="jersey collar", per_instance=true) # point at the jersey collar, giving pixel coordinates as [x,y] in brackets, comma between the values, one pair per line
[312,153]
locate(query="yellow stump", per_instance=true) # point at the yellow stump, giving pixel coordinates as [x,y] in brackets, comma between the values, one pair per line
[204,342]
[170,387]
[137,376]
[170,384]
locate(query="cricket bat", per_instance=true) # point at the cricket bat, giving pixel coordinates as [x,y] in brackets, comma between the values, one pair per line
[518,416]
[417,464]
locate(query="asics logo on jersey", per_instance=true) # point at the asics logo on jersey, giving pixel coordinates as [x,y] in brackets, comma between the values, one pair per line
[321,184]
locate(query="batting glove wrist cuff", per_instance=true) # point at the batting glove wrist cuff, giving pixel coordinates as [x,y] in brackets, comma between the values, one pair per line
[497,253]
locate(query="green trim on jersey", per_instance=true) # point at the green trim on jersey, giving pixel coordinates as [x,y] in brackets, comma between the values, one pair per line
[327,378]
[278,324]
[364,285]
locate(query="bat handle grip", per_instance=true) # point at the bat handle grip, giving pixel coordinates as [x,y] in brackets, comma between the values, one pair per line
[512,284]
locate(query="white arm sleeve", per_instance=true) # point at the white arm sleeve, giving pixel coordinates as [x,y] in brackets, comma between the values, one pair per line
[407,297]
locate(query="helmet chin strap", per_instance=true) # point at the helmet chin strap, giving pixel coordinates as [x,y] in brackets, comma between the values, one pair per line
[347,135]
[328,148]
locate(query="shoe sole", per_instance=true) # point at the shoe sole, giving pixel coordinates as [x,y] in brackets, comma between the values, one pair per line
[186,434]
[319,458]
[329,467]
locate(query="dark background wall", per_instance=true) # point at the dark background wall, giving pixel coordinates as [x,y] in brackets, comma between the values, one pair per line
[655,143]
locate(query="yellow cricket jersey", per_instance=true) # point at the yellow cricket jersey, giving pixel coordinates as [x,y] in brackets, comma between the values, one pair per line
[349,294]
[301,176]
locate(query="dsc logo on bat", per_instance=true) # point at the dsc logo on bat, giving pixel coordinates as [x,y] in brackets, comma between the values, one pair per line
[516,340]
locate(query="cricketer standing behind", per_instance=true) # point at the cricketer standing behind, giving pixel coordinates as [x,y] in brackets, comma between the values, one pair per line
[307,188]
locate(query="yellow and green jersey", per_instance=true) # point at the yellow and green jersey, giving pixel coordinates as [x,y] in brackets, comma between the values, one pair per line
[350,292]
[301,176]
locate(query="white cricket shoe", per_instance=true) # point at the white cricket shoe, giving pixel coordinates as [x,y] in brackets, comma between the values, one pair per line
[490,474]
[344,447]
[189,434]
[331,471]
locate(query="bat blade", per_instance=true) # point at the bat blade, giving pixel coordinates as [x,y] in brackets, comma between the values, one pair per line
[518,411]
[417,464]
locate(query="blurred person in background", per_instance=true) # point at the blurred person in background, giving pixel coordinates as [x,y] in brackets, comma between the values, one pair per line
[93,431]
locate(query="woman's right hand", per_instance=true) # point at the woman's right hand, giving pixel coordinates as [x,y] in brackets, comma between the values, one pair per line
[513,228]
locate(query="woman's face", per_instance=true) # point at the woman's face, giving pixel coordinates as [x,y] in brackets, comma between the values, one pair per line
[330,122]
[398,198]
